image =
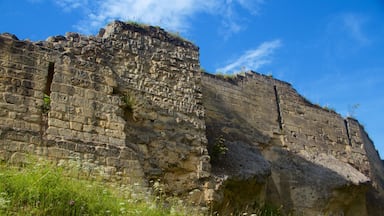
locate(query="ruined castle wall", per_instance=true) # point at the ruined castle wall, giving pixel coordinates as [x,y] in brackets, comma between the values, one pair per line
[126,102]
[274,108]
[131,104]
[317,129]
[23,69]
[316,157]
[361,140]
[246,107]
[375,169]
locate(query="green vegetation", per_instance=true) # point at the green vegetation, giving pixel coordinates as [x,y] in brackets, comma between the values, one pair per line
[146,26]
[329,109]
[219,148]
[269,210]
[352,110]
[226,76]
[202,70]
[129,103]
[137,24]
[45,189]
[42,188]
[179,37]
[46,104]
[229,76]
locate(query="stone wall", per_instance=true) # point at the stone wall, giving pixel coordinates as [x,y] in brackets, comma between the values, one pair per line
[315,129]
[300,156]
[131,105]
[125,104]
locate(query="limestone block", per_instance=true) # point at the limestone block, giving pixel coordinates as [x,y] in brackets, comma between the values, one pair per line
[34,140]
[116,141]
[58,123]
[113,161]
[12,98]
[58,152]
[75,126]
[88,128]
[115,133]
[4,155]
[109,170]
[86,148]
[115,125]
[19,158]
[12,115]
[65,132]
[32,118]
[27,148]
[58,107]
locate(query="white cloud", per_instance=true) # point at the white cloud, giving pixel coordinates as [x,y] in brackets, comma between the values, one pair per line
[169,14]
[345,36]
[232,21]
[252,6]
[69,5]
[253,59]
[353,25]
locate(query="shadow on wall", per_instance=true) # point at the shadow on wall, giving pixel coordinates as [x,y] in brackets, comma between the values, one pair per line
[256,170]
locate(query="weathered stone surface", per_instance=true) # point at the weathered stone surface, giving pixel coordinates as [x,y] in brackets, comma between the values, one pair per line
[130,104]
[318,162]
[125,101]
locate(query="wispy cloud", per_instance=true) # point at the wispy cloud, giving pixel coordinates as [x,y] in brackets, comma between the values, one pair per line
[353,25]
[69,5]
[170,14]
[346,35]
[253,59]
[232,21]
[253,6]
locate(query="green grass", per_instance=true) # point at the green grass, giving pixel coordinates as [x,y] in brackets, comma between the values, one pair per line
[44,189]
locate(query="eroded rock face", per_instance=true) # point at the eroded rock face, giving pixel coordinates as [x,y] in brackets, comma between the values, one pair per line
[305,159]
[131,105]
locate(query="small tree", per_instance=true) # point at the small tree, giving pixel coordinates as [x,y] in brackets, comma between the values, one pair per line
[352,110]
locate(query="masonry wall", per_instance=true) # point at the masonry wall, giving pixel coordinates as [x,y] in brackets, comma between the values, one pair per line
[316,129]
[242,108]
[125,104]
[131,104]
[273,108]
[318,162]
[23,74]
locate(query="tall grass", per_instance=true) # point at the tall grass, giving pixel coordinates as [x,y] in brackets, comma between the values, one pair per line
[44,189]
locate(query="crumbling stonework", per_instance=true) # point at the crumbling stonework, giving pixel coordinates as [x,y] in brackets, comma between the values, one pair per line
[309,160]
[131,105]
[125,103]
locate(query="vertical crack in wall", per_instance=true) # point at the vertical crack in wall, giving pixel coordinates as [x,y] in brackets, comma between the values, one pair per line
[279,118]
[48,84]
[47,99]
[348,134]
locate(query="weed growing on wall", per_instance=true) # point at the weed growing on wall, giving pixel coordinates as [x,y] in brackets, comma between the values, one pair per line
[218,149]
[46,104]
[129,106]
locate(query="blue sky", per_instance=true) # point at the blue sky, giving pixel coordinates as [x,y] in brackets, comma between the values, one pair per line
[332,51]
